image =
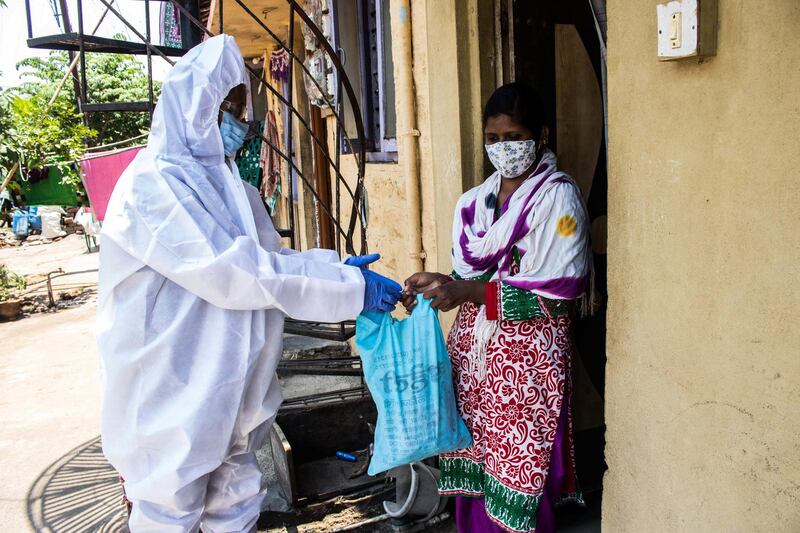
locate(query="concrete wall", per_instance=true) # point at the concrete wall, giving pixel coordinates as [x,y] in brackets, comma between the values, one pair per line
[703,379]
[387,227]
[447,119]
[439,121]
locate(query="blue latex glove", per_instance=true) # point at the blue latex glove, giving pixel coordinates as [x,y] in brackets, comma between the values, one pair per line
[380,294]
[361,261]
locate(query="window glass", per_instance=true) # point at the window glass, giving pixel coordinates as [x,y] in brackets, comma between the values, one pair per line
[390,115]
[364,36]
[349,36]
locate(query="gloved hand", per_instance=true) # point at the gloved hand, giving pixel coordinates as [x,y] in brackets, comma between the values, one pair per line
[361,261]
[380,294]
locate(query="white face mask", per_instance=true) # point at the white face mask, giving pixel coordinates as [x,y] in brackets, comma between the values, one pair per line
[512,158]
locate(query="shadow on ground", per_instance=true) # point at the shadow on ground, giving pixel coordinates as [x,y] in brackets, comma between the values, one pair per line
[78,493]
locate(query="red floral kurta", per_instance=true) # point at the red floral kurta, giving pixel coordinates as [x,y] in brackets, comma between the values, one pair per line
[513,414]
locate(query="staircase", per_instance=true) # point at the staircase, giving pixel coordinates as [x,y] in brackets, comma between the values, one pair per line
[349,227]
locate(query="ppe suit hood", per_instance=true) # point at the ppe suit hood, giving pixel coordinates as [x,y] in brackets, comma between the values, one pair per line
[192,93]
[184,150]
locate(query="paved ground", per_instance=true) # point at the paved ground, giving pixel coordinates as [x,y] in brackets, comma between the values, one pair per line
[48,401]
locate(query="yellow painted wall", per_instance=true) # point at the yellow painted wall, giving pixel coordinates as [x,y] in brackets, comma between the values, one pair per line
[445,119]
[439,122]
[703,378]
[387,227]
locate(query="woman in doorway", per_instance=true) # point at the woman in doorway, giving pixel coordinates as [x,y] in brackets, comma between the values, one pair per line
[521,269]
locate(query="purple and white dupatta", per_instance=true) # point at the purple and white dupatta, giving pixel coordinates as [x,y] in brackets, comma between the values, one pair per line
[545,219]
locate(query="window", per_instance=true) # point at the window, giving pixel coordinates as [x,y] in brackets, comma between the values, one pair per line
[364,38]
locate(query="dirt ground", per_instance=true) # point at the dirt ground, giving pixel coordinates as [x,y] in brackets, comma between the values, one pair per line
[69,253]
[48,401]
[50,375]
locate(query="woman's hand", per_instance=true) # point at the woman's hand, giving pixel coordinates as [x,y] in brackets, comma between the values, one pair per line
[455,293]
[419,283]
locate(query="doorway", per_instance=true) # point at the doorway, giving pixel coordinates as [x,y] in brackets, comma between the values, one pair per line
[557,47]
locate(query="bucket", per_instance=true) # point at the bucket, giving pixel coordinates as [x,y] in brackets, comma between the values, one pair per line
[416,492]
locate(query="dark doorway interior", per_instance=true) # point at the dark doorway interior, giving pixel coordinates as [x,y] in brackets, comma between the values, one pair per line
[556,50]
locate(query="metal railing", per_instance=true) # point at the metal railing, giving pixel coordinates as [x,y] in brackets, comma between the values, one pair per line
[357,195]
[346,237]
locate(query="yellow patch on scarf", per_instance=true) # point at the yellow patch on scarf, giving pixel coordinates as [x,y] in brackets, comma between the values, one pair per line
[567,226]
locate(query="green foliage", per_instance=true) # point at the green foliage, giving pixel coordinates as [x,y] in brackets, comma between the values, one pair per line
[111,78]
[10,283]
[37,135]
[37,138]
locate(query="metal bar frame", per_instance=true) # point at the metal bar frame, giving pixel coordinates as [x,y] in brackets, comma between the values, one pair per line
[344,366]
[322,145]
[356,195]
[338,103]
[274,91]
[81,50]
[136,32]
[60,274]
[298,59]
[348,236]
[351,393]
[361,160]
[290,130]
[149,60]
[285,157]
[338,158]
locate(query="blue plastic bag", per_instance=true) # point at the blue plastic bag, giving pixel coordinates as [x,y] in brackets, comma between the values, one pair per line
[409,375]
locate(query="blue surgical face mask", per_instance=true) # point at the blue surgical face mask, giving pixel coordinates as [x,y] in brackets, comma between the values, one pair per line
[233,132]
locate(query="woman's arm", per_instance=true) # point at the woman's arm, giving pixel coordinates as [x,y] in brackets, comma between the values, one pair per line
[451,295]
[419,283]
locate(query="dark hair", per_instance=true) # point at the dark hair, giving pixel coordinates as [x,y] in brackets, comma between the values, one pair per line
[520,102]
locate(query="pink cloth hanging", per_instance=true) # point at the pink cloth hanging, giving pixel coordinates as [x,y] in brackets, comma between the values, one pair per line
[100,175]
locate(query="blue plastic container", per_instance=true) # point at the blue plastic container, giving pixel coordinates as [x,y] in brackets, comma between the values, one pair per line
[349,457]
[20,224]
[34,221]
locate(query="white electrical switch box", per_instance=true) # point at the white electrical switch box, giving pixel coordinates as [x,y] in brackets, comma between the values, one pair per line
[687,29]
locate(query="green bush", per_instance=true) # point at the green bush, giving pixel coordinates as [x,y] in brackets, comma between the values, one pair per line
[10,284]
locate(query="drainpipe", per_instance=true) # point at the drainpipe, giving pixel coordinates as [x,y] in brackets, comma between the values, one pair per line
[408,134]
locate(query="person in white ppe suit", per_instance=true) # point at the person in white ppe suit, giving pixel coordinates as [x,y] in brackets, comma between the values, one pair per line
[194,288]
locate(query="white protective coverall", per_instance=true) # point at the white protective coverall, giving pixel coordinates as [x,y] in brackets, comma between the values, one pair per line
[194,287]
